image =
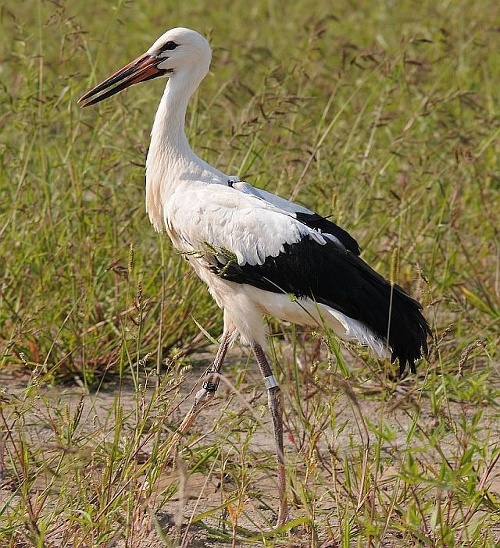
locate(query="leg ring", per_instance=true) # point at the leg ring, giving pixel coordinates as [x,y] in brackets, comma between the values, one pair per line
[271,382]
[210,386]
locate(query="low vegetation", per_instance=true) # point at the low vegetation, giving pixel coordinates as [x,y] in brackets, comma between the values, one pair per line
[384,117]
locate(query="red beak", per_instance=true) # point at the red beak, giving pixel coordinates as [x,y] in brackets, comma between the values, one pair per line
[141,69]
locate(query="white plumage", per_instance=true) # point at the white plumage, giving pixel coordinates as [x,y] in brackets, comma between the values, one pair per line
[259,254]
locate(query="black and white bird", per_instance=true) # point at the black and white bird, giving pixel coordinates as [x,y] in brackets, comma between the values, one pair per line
[258,253]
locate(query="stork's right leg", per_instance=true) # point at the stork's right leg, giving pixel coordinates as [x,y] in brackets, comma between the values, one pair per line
[274,401]
[206,393]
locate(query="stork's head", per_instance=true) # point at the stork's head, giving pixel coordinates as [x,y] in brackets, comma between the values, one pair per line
[179,51]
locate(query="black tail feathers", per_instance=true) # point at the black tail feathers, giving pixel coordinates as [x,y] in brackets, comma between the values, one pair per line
[407,330]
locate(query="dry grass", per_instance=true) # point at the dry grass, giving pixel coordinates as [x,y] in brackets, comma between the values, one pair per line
[386,118]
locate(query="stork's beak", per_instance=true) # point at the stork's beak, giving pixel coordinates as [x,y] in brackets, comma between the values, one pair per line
[143,68]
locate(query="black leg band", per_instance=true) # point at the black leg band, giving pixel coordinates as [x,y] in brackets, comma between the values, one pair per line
[210,386]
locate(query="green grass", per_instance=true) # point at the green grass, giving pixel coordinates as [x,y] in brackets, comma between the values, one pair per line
[382,114]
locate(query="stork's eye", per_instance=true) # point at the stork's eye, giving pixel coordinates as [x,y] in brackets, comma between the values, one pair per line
[170,45]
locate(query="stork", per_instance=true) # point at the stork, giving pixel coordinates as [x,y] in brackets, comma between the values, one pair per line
[258,253]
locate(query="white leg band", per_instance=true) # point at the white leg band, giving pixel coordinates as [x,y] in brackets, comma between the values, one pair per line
[271,382]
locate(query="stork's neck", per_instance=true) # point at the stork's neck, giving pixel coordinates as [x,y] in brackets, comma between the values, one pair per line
[168,137]
[171,163]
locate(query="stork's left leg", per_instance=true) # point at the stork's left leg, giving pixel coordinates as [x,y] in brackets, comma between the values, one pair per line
[274,401]
[206,393]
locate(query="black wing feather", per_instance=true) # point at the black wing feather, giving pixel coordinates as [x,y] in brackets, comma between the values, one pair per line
[324,225]
[340,279]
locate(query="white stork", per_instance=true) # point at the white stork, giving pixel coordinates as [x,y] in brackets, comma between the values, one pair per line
[258,253]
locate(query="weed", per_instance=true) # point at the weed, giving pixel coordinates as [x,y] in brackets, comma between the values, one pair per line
[383,117]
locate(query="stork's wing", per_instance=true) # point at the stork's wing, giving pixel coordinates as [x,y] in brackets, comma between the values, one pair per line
[331,275]
[249,229]
[251,241]
[302,214]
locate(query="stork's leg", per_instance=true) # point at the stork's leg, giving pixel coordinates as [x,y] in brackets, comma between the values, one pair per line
[274,401]
[205,394]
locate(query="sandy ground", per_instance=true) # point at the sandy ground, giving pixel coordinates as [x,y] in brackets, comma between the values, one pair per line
[198,492]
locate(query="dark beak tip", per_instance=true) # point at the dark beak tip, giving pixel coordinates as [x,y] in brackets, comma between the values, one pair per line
[81,102]
[84,100]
